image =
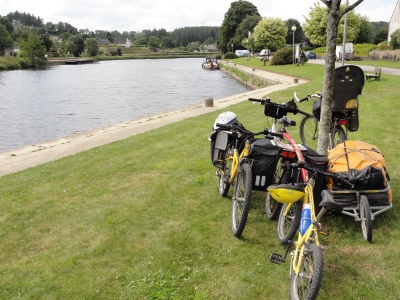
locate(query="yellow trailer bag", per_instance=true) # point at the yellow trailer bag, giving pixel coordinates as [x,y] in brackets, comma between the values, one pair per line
[361,163]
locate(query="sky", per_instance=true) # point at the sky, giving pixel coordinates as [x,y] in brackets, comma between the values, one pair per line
[138,15]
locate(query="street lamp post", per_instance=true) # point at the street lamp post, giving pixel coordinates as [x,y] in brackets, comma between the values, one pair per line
[293,29]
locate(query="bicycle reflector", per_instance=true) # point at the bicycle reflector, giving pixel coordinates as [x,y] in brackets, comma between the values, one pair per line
[286,193]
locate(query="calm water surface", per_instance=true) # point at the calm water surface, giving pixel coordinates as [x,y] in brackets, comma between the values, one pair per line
[42,105]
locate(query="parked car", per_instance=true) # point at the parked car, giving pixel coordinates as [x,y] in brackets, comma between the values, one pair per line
[311,55]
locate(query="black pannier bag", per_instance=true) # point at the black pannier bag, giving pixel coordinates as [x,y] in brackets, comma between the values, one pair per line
[219,145]
[264,157]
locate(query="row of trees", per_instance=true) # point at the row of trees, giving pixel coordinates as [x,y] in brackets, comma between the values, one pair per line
[243,27]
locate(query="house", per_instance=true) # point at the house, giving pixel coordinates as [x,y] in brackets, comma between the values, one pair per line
[124,42]
[210,48]
[103,42]
[394,22]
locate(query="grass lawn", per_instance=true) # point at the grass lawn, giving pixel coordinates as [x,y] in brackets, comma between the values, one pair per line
[141,218]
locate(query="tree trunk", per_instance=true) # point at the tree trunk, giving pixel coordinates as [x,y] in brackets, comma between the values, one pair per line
[334,16]
[330,59]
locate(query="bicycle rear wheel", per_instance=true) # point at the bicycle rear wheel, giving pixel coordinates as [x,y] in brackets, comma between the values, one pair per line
[339,136]
[307,283]
[309,128]
[289,223]
[241,198]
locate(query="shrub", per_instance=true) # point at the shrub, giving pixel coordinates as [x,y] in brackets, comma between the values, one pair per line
[218,56]
[283,56]
[230,55]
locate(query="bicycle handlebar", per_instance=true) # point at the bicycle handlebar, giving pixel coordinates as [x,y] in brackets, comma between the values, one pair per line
[316,95]
[267,133]
[302,99]
[261,101]
[289,107]
[316,171]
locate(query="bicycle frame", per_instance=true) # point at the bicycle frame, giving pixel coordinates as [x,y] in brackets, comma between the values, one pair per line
[297,255]
[236,159]
[300,157]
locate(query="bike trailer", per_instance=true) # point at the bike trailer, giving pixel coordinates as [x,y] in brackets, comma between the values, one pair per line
[265,156]
[364,166]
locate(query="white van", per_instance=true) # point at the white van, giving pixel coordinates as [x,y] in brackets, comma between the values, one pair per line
[348,53]
[242,52]
[265,52]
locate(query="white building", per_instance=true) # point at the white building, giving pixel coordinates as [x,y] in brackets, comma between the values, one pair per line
[394,23]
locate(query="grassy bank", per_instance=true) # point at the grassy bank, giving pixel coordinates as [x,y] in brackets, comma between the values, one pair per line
[142,219]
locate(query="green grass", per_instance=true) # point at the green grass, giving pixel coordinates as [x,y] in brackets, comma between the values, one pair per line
[142,219]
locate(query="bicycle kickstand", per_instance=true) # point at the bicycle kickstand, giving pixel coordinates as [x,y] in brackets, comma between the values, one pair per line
[277,258]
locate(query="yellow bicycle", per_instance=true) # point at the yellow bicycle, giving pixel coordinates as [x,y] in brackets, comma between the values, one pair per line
[307,259]
[235,168]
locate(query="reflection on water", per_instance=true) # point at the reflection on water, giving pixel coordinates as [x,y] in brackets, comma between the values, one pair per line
[42,105]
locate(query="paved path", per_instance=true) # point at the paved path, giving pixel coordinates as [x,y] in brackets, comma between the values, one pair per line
[368,69]
[30,156]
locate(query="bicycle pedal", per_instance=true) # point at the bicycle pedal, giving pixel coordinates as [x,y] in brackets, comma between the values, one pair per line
[276,258]
[324,233]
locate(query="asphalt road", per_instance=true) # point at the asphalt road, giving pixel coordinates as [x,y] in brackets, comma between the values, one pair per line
[389,71]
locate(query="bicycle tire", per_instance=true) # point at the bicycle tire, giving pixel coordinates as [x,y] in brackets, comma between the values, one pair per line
[307,283]
[288,225]
[241,198]
[338,137]
[224,174]
[272,207]
[366,219]
[309,128]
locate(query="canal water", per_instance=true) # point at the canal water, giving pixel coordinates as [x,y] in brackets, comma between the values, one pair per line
[40,105]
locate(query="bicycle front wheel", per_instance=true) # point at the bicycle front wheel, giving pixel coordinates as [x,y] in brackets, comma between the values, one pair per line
[289,223]
[224,173]
[306,284]
[241,198]
[309,128]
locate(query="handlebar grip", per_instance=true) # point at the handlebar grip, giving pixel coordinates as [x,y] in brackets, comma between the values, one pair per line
[304,99]
[255,100]
[279,135]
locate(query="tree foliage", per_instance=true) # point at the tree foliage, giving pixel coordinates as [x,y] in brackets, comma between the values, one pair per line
[316,26]
[233,18]
[92,46]
[25,19]
[395,39]
[5,38]
[366,32]
[242,32]
[6,22]
[270,33]
[298,34]
[32,52]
